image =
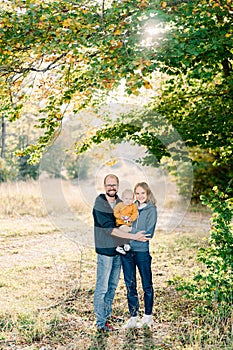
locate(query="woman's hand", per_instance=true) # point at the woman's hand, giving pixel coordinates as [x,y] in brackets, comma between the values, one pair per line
[123,232]
[140,236]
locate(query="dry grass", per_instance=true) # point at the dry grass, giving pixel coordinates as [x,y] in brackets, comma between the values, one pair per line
[47,281]
[38,198]
[21,198]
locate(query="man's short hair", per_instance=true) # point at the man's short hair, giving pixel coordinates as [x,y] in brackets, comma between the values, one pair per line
[113,176]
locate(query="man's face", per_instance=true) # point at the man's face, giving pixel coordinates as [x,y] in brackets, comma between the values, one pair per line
[111,186]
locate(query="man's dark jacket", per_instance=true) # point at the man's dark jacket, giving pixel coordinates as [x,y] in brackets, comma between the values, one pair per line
[104,223]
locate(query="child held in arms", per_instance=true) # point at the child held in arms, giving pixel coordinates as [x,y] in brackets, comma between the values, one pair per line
[125,213]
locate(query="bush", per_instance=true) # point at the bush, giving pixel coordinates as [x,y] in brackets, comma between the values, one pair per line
[214,284]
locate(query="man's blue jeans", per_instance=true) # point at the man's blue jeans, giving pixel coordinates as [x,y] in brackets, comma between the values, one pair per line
[108,275]
[142,260]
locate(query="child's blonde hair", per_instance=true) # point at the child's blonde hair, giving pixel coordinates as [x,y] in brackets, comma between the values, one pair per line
[127,191]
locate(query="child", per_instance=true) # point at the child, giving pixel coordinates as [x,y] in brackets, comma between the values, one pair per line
[125,213]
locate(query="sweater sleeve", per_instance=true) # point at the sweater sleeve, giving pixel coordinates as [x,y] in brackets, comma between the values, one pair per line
[151,221]
[103,215]
[148,222]
[117,210]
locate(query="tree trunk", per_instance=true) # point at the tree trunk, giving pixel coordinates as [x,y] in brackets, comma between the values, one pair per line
[3,137]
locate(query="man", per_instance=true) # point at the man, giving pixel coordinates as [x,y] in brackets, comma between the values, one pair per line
[108,261]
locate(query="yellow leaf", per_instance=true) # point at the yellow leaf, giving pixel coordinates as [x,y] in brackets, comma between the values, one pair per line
[118,44]
[18,83]
[70,59]
[117,32]
[143,3]
[147,85]
[66,22]
[228,35]
[112,162]
[163,4]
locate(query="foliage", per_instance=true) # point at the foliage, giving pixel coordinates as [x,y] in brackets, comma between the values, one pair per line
[64,56]
[5,171]
[15,137]
[80,49]
[214,284]
[78,169]
[208,172]
[26,170]
[196,94]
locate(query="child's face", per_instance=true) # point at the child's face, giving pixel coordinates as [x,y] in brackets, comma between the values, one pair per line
[128,199]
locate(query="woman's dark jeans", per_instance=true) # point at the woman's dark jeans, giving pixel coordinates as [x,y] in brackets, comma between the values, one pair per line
[143,261]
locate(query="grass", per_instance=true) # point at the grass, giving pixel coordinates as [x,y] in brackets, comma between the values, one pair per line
[47,282]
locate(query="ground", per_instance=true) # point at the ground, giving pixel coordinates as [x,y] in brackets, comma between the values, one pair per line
[47,281]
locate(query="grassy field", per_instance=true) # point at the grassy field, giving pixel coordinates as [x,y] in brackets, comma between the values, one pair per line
[47,281]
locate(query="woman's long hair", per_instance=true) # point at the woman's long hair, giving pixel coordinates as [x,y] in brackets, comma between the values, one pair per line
[150,197]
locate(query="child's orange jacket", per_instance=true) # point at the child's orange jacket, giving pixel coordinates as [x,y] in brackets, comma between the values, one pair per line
[125,210]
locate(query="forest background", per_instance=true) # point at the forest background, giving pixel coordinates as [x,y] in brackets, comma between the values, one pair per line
[131,86]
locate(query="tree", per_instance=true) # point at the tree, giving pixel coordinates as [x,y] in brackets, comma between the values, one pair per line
[214,282]
[74,54]
[196,95]
[3,137]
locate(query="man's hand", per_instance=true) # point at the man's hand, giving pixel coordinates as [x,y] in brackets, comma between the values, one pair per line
[125,228]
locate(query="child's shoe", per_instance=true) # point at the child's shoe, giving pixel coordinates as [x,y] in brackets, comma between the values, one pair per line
[127,247]
[120,250]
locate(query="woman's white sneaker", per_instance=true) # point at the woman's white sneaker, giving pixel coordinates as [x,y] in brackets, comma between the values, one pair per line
[132,323]
[145,321]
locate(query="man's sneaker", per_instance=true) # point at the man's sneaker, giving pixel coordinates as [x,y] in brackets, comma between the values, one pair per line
[120,250]
[109,327]
[132,323]
[127,247]
[145,321]
[106,328]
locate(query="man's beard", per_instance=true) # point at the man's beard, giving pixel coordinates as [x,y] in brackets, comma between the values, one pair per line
[111,194]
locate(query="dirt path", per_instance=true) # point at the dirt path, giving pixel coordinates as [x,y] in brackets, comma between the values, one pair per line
[28,239]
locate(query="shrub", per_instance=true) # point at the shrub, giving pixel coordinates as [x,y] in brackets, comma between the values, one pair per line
[214,283]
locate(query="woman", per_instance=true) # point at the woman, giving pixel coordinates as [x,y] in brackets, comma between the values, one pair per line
[139,257]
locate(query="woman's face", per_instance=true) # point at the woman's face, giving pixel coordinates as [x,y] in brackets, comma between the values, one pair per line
[141,195]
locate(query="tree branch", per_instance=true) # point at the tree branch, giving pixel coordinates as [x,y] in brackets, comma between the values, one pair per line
[5,69]
[178,2]
[227,67]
